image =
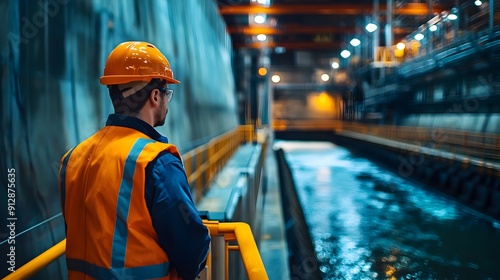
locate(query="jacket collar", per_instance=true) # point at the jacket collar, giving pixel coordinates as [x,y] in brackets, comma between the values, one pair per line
[137,124]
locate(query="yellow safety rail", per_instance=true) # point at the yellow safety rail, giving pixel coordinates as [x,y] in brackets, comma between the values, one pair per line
[477,144]
[302,125]
[38,263]
[470,143]
[238,231]
[242,234]
[203,163]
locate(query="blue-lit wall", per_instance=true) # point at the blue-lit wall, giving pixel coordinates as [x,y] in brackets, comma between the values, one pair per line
[52,55]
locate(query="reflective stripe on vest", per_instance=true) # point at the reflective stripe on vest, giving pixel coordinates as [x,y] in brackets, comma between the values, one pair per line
[142,272]
[123,205]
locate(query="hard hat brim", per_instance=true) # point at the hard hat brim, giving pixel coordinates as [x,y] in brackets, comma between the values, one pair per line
[123,79]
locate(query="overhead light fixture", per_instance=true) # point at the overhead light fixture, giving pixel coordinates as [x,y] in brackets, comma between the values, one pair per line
[452,17]
[433,28]
[401,46]
[259,19]
[370,27]
[335,65]
[355,42]
[419,36]
[263,2]
[345,54]
[276,79]
[262,71]
[279,50]
[325,77]
[261,37]
[478,3]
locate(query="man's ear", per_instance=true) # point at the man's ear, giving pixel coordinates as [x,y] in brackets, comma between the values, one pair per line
[155,96]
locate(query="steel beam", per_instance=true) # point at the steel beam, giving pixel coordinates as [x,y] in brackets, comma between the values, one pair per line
[416,9]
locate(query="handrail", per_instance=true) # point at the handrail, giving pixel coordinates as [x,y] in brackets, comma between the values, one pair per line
[236,231]
[242,234]
[477,144]
[203,163]
[39,262]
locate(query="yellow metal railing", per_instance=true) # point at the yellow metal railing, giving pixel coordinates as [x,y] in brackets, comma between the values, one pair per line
[242,234]
[476,144]
[239,232]
[470,143]
[315,124]
[204,162]
[38,263]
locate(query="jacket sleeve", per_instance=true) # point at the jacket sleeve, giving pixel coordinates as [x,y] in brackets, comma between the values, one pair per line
[180,230]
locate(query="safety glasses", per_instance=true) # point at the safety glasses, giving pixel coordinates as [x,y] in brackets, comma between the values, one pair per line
[168,91]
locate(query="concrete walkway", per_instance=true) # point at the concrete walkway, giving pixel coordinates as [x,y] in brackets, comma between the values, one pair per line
[272,242]
[273,246]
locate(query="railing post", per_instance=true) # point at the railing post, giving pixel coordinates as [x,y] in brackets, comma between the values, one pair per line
[198,182]
[188,166]
[218,249]
[209,160]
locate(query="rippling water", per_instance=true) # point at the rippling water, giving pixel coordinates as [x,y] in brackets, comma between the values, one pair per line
[367,223]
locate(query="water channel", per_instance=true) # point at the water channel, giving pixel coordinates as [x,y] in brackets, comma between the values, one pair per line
[369,223]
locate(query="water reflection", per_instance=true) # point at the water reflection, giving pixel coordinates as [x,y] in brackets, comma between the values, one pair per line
[367,223]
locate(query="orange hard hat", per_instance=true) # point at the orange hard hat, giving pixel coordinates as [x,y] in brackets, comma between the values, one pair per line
[136,61]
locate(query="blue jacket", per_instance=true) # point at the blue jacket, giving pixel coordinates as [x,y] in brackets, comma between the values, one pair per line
[180,230]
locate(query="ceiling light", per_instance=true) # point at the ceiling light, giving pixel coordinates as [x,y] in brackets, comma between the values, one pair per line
[335,65]
[452,17]
[433,28]
[259,19]
[261,37]
[325,77]
[262,71]
[276,79]
[478,3]
[345,54]
[370,27]
[419,36]
[279,50]
[401,46]
[355,42]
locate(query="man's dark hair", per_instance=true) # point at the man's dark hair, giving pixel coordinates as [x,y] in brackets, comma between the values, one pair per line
[132,104]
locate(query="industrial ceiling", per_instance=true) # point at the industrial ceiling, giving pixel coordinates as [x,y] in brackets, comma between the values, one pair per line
[323,27]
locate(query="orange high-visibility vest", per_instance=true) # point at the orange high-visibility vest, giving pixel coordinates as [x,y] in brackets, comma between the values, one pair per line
[110,234]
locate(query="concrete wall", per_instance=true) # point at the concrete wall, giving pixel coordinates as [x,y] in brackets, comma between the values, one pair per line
[52,55]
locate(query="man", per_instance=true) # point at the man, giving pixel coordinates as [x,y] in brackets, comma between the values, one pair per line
[124,192]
